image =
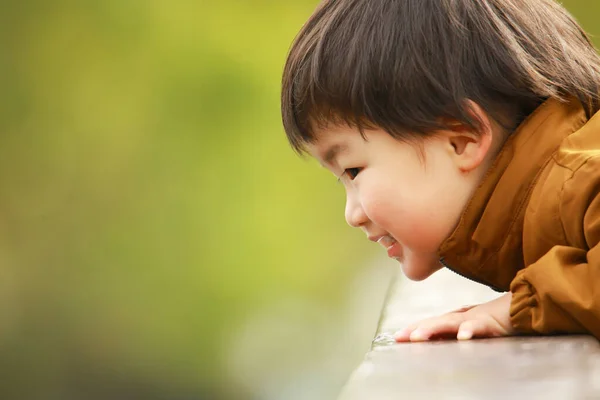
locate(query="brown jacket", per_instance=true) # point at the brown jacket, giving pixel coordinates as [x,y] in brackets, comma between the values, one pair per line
[533,225]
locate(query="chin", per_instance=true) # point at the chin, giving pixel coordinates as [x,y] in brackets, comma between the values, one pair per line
[418,274]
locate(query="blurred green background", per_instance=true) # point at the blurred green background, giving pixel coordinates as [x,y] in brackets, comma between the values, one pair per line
[158,238]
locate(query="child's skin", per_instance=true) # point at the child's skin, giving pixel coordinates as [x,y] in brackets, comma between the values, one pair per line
[409,196]
[481,152]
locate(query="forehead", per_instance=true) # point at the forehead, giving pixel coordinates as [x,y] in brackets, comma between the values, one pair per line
[330,143]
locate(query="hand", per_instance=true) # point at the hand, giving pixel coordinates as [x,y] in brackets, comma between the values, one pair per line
[491,319]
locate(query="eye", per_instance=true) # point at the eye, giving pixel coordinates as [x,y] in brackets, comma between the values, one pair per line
[352,172]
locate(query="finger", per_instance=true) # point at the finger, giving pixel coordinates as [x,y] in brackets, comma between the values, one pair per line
[478,328]
[445,325]
[440,327]
[403,335]
[463,309]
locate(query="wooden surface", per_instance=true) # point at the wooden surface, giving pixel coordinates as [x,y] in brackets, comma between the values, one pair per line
[566,367]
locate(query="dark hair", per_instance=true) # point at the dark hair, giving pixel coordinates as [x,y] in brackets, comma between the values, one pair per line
[406,66]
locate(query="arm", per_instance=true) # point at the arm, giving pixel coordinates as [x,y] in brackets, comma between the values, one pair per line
[556,294]
[560,293]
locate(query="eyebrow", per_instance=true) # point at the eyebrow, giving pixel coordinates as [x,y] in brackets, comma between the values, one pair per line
[333,151]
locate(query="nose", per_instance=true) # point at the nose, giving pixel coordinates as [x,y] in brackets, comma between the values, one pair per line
[354,213]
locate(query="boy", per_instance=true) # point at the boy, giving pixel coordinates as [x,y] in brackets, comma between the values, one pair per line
[465,134]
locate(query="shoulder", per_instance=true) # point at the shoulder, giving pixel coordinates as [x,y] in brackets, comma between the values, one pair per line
[565,193]
[577,164]
[580,202]
[580,146]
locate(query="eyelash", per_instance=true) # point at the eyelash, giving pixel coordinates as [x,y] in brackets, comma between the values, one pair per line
[352,173]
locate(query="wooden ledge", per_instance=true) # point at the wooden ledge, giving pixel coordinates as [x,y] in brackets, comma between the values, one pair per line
[560,367]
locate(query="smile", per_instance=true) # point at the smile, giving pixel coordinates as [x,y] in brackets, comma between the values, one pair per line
[394,249]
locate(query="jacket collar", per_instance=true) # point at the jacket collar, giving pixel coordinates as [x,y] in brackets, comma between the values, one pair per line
[489,232]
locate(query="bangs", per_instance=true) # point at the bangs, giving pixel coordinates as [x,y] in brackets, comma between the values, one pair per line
[408,66]
[336,75]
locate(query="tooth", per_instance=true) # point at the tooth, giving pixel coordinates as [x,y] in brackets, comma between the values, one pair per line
[386,241]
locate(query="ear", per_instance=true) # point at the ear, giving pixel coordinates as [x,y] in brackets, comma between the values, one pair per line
[468,146]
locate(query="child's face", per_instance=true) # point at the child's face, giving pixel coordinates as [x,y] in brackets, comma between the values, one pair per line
[408,203]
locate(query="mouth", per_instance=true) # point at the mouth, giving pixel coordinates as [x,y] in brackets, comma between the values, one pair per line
[394,250]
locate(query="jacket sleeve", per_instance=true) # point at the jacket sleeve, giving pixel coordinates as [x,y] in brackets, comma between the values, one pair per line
[560,293]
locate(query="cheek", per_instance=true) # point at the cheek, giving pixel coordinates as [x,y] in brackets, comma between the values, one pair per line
[411,219]
[388,208]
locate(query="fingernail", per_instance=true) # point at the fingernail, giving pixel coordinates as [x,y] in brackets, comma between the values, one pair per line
[418,335]
[464,335]
[402,334]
